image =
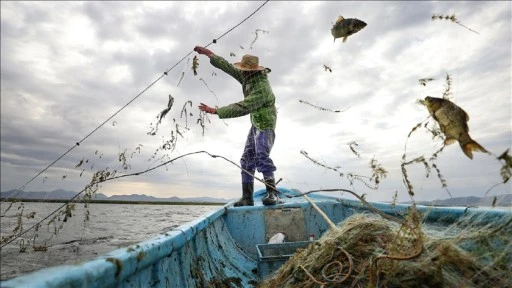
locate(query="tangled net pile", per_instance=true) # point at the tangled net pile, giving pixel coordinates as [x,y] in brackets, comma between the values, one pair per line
[461,256]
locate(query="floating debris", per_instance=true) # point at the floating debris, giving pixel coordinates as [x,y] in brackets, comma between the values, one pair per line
[452,18]
[181,78]
[351,146]
[506,169]
[256,37]
[195,64]
[166,110]
[423,81]
[321,108]
[80,163]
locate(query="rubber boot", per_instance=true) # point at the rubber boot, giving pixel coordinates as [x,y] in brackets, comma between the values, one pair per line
[247,191]
[271,197]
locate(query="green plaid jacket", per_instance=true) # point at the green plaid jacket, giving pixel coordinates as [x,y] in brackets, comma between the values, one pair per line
[259,100]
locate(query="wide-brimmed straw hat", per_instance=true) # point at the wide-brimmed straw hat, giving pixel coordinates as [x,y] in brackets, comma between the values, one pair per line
[249,63]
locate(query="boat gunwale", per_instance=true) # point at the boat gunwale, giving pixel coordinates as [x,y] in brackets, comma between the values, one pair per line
[118,265]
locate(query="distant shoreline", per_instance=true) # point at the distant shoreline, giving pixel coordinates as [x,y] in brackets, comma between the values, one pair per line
[96,201]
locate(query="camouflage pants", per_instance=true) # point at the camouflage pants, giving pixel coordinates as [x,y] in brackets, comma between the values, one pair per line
[257,154]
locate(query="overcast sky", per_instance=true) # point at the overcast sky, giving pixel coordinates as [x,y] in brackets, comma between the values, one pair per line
[66,67]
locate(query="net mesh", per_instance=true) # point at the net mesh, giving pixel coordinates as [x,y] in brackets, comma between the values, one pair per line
[366,250]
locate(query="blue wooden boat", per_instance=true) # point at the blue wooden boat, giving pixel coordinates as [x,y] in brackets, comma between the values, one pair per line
[226,248]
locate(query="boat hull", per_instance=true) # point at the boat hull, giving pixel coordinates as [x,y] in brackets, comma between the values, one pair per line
[221,247]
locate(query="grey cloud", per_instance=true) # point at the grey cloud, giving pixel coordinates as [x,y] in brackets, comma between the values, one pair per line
[108,18]
[82,100]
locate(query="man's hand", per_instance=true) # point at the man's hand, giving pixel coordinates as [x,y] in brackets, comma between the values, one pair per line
[204,51]
[206,109]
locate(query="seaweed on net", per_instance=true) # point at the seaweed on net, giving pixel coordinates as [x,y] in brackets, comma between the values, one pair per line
[463,254]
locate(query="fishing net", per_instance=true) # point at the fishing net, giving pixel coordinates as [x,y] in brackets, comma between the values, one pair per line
[58,219]
[366,250]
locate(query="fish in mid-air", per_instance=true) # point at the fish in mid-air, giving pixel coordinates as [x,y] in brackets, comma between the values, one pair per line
[346,27]
[453,122]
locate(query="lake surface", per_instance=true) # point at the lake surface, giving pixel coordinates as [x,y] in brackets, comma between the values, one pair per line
[111,226]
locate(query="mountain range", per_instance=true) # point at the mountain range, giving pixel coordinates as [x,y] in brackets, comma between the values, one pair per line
[504,200]
[60,194]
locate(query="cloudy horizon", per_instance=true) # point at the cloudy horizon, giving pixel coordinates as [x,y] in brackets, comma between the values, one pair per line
[66,67]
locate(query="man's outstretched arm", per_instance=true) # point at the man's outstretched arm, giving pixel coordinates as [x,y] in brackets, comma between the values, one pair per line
[220,63]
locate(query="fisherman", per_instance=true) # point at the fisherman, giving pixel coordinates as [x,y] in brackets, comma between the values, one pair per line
[259,102]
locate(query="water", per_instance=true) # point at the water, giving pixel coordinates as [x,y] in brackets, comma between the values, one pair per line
[111,226]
